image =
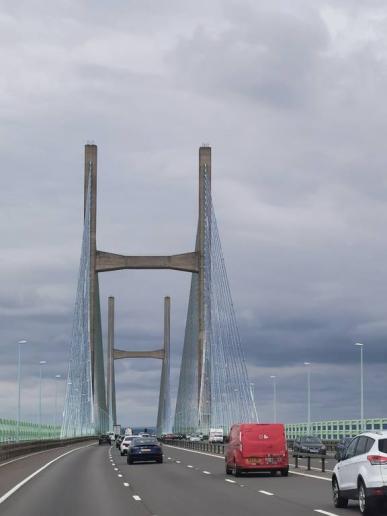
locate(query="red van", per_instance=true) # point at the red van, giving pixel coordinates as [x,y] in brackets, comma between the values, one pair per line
[257,447]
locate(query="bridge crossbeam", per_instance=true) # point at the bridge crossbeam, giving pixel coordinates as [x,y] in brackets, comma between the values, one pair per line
[186,262]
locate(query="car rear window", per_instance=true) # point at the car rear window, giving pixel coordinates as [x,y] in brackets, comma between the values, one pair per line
[383,445]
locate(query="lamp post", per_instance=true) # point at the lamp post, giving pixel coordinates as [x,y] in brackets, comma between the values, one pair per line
[41,363]
[273,377]
[308,364]
[361,385]
[57,378]
[253,400]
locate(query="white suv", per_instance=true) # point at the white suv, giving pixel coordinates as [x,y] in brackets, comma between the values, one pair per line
[362,473]
[125,444]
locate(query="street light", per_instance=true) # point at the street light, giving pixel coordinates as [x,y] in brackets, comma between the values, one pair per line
[57,376]
[361,385]
[308,364]
[273,377]
[19,387]
[41,363]
[253,400]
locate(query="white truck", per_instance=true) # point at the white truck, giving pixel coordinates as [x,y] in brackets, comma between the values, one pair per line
[215,435]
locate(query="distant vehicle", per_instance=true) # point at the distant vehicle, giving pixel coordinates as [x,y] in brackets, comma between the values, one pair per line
[361,474]
[216,435]
[341,446]
[128,431]
[257,447]
[145,449]
[119,440]
[194,438]
[112,436]
[144,434]
[104,439]
[309,444]
[169,437]
[126,442]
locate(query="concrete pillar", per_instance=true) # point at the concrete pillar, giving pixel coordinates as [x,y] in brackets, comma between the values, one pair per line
[204,192]
[163,414]
[111,381]
[95,331]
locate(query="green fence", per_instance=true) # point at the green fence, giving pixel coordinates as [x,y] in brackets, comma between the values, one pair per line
[332,430]
[27,431]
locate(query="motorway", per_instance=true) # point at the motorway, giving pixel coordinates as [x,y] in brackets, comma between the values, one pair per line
[96,480]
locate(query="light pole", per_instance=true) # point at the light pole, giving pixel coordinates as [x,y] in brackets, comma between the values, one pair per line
[273,377]
[41,363]
[308,364]
[253,400]
[19,387]
[361,385]
[57,377]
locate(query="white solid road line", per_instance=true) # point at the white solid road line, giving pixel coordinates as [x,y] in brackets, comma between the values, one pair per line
[266,493]
[230,481]
[29,455]
[207,472]
[137,498]
[325,512]
[35,473]
[309,476]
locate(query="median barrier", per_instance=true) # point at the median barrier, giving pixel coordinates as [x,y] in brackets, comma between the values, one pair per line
[8,451]
[309,457]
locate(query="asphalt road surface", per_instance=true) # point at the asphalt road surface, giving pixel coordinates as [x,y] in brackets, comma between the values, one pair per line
[95,480]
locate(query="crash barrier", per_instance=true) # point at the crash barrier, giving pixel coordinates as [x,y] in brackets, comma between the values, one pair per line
[329,444]
[309,457]
[11,450]
[219,449]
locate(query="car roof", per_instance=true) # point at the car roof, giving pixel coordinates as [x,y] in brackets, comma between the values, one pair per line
[375,434]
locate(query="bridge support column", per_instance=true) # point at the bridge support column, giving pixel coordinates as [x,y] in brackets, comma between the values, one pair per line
[111,381]
[202,247]
[164,410]
[95,330]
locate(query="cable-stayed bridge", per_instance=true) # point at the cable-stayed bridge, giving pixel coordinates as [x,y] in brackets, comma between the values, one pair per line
[214,388]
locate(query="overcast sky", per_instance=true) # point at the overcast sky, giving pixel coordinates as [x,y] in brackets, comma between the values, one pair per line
[291,96]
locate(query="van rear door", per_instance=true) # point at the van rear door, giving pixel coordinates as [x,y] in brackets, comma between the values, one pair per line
[263,441]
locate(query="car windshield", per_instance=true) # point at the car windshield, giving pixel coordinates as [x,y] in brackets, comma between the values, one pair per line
[311,440]
[140,441]
[128,439]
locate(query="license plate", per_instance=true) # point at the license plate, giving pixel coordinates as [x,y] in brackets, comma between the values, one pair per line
[254,460]
[145,449]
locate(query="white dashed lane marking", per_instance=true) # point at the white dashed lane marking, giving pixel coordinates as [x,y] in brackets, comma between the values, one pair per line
[126,484]
[230,481]
[207,472]
[119,475]
[325,512]
[266,492]
[137,498]
[115,469]
[189,466]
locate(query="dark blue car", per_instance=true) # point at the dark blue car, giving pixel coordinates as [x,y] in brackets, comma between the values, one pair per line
[145,449]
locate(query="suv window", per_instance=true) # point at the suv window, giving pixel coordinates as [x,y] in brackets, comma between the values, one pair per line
[370,443]
[351,448]
[361,445]
[383,445]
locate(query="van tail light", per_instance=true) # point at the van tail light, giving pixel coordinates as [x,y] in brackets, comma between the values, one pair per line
[377,460]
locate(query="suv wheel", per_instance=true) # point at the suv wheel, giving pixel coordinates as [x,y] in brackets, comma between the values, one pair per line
[338,501]
[367,505]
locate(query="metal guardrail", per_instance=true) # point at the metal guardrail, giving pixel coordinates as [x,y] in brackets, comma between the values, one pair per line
[8,451]
[219,449]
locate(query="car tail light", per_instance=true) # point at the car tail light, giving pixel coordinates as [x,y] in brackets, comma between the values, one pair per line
[377,460]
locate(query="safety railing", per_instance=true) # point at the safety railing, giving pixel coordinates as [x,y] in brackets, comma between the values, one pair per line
[10,431]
